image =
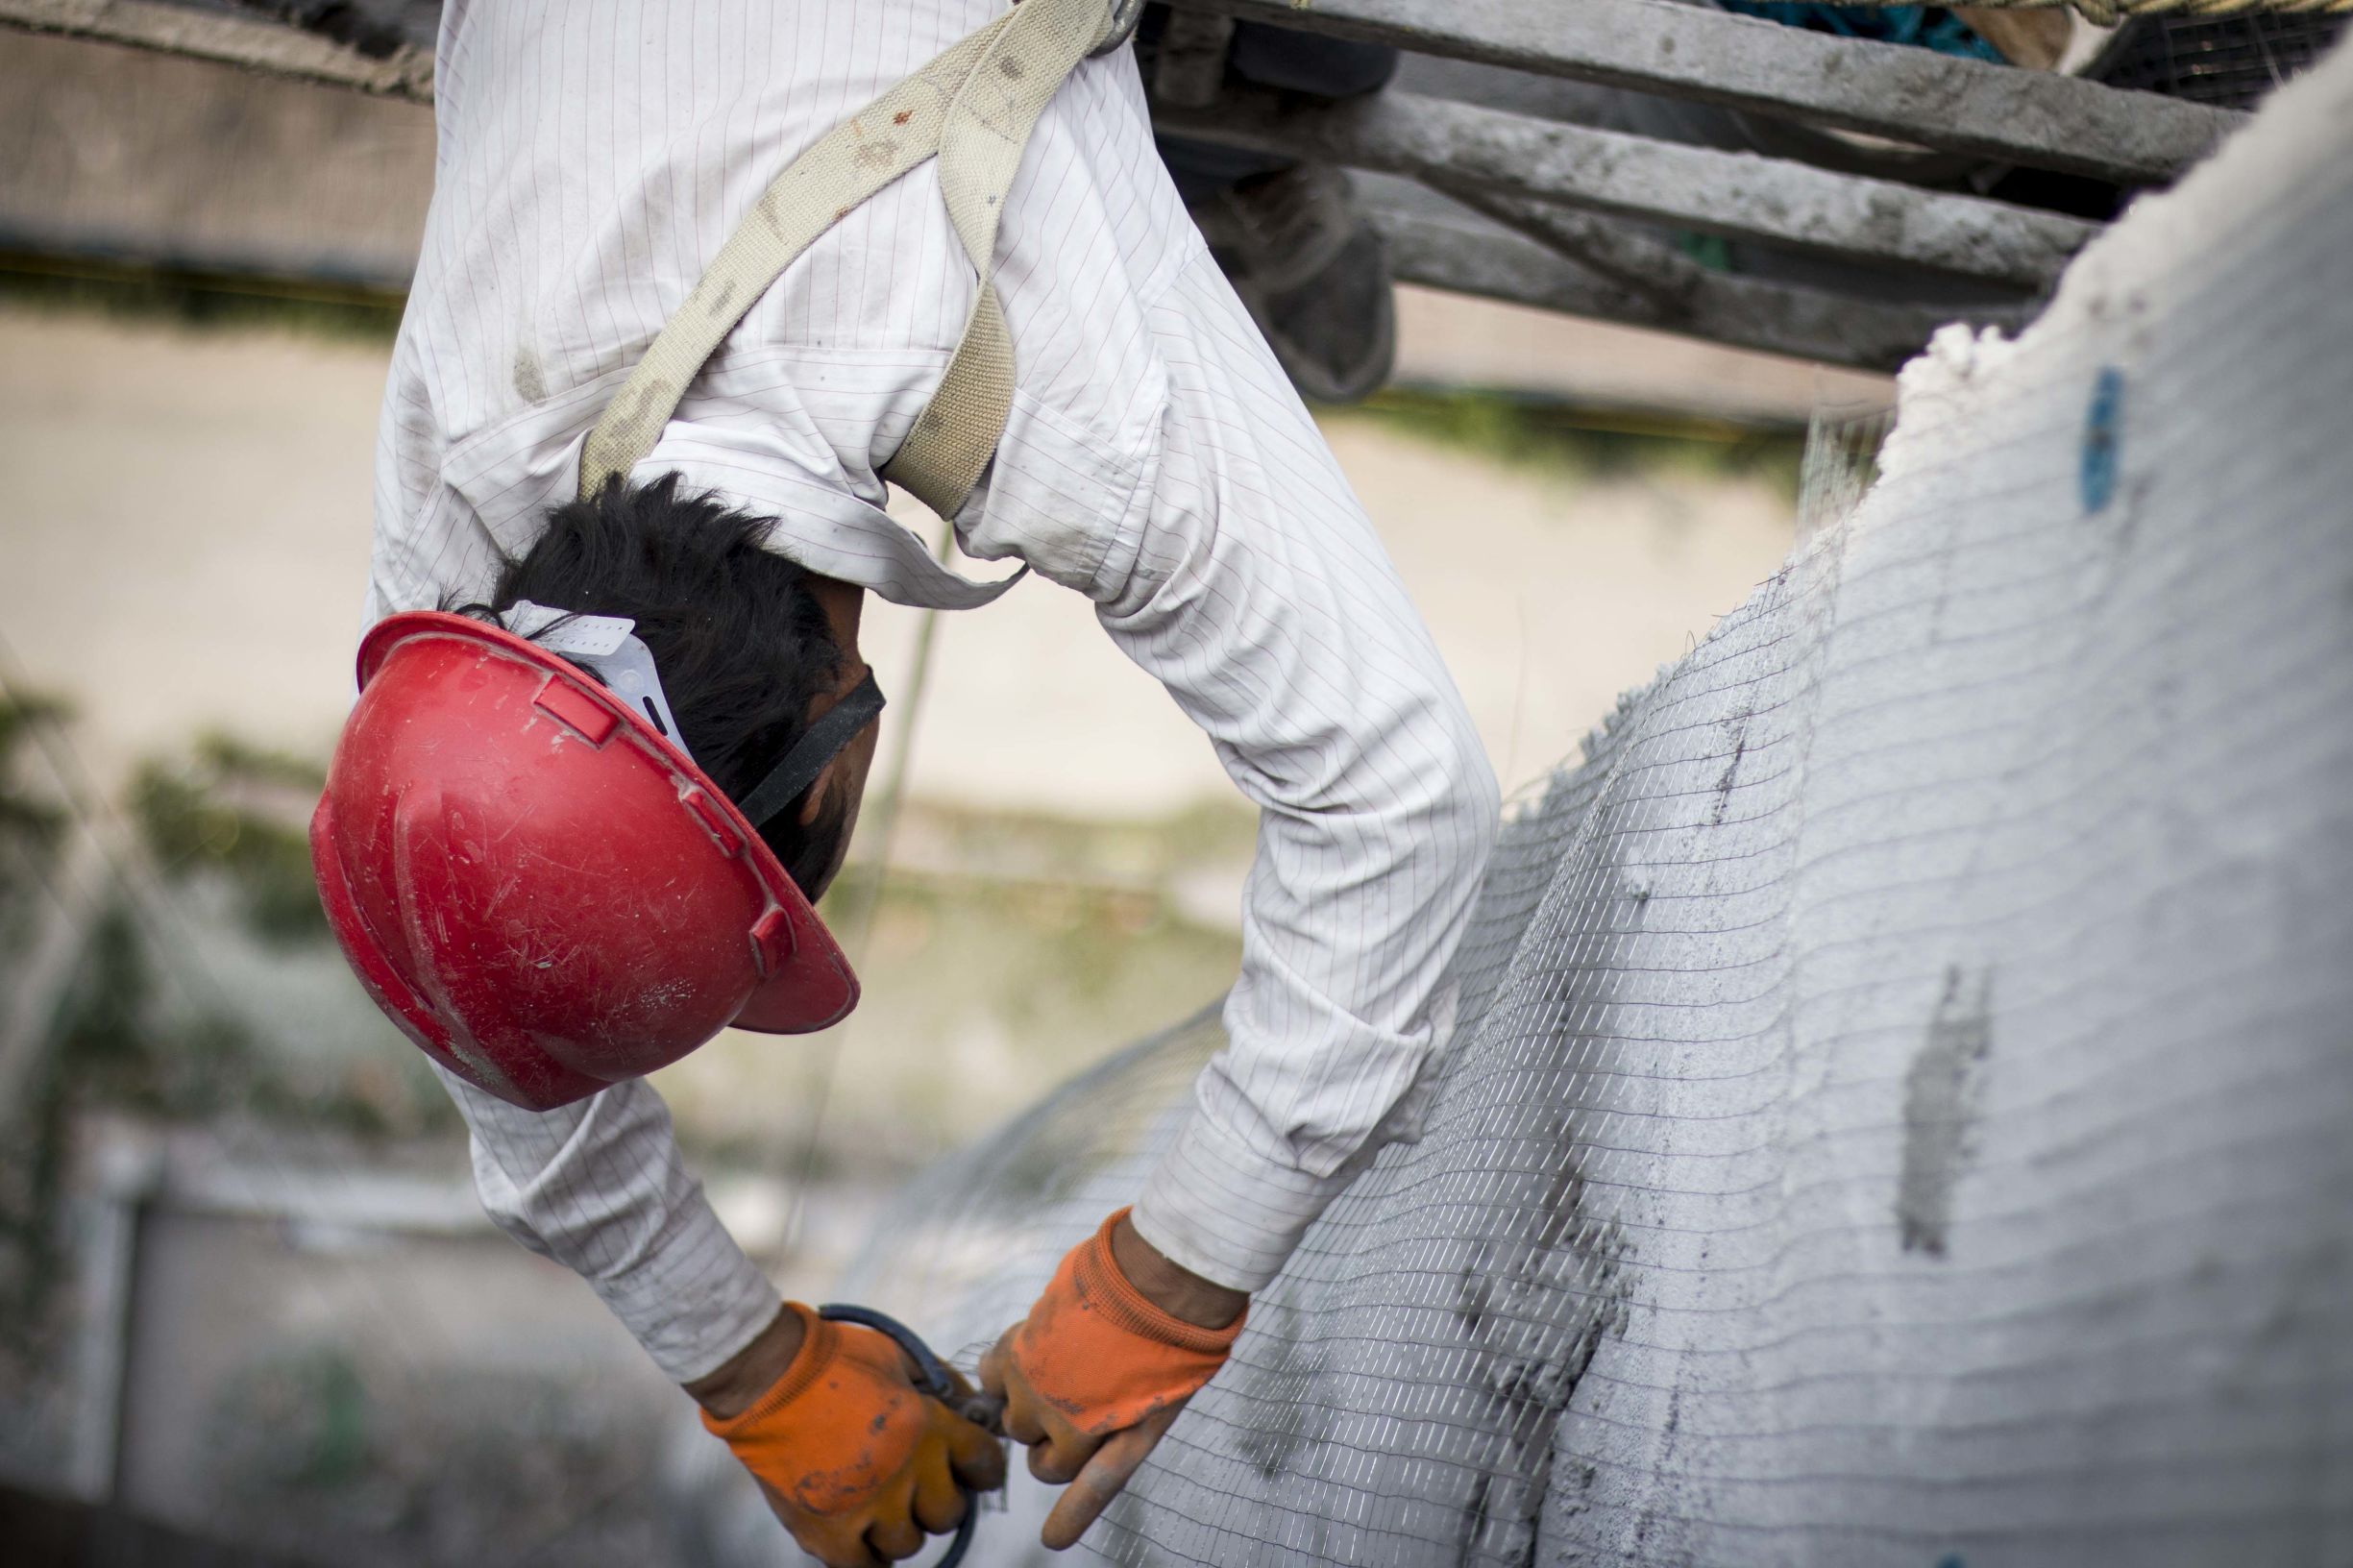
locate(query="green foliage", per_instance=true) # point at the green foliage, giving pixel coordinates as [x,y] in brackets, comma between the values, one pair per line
[123,1043]
[1571,443]
[320,1443]
[229,816]
[202,302]
[240,810]
[26,820]
[30,827]
[301,1424]
[140,1027]
[118,1046]
[31,824]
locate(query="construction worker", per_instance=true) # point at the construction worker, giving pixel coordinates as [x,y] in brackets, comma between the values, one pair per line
[614,724]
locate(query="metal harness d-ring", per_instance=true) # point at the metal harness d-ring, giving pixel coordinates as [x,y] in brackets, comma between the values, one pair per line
[1123,17]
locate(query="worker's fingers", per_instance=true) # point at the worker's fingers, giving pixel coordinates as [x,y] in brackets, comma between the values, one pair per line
[776,1506]
[939,1502]
[974,1453]
[895,1541]
[1056,1451]
[836,1550]
[1024,1418]
[1062,1455]
[1101,1479]
[996,1360]
[833,1547]
[894,1535]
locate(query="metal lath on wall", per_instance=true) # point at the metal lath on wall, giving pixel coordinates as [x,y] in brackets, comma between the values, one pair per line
[1898,1107]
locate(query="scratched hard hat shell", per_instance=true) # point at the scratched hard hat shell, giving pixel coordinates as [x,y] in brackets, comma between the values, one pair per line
[544,893]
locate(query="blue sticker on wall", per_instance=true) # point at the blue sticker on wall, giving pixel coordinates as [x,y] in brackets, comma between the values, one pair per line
[2103,428]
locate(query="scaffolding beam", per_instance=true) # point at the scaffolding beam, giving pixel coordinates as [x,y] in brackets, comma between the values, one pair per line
[1558,215]
[1439,252]
[1737,195]
[269,46]
[1684,51]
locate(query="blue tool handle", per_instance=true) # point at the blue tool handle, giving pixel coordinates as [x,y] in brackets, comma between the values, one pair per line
[937,1382]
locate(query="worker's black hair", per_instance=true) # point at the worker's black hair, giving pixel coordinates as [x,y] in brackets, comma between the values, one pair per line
[743,646]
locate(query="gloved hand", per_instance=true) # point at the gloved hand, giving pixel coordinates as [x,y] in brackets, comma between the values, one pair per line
[1092,1378]
[854,1459]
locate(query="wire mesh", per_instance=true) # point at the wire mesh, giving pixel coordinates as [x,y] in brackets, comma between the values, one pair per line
[1902,1099]
[2228,62]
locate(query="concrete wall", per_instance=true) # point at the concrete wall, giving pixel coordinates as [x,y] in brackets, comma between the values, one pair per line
[1903,1110]
[116,153]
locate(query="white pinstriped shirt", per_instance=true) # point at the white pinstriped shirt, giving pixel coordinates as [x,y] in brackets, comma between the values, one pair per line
[591,158]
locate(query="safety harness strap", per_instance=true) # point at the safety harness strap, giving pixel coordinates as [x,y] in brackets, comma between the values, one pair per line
[973,106]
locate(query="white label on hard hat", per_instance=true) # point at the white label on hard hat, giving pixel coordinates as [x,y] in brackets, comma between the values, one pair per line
[578,636]
[602,645]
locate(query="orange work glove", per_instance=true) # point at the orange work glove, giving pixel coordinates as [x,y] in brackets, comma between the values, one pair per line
[854,1459]
[1092,1378]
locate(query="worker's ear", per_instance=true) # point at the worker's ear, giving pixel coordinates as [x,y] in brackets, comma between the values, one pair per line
[841,603]
[840,786]
[829,810]
[820,790]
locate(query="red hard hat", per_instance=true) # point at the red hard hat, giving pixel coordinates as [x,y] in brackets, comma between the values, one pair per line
[542,891]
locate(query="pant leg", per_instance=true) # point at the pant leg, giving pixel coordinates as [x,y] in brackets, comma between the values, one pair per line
[1310,63]
[1266,56]
[1202,169]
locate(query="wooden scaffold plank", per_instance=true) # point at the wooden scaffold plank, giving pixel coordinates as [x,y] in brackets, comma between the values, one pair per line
[1439,245]
[1916,95]
[1739,195]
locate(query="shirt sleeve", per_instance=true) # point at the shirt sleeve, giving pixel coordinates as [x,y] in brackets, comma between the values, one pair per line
[1261,599]
[599,1186]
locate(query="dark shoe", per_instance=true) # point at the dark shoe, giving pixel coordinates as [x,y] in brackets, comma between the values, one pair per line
[1336,334]
[1314,275]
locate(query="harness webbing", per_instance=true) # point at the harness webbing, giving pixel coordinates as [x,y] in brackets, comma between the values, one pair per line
[973,106]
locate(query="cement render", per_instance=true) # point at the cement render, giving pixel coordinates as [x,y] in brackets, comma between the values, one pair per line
[1903,1107]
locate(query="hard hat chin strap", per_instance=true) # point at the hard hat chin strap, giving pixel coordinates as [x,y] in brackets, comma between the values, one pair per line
[607,647]
[823,741]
